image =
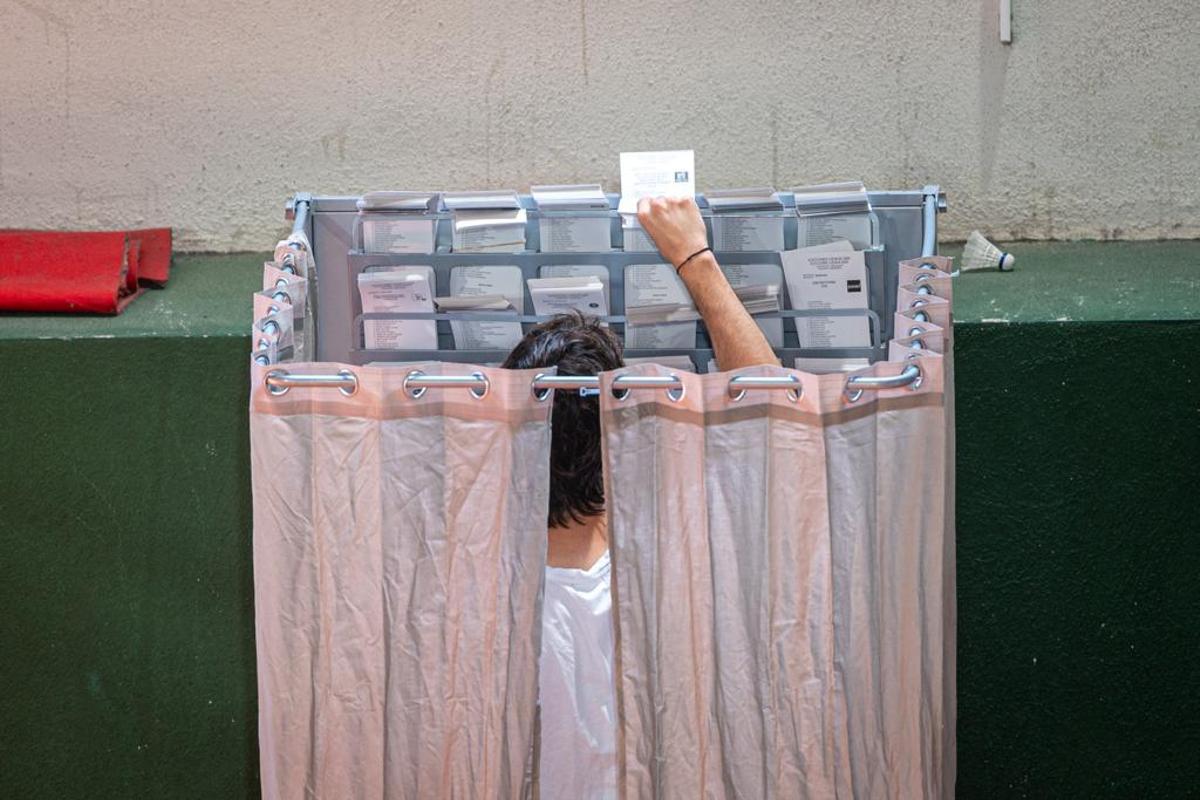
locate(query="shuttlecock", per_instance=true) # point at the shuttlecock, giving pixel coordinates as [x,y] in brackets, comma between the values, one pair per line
[982,254]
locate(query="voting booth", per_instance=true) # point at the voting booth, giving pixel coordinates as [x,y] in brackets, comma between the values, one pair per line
[781,536]
[348,242]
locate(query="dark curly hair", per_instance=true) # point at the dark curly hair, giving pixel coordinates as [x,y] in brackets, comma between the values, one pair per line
[577,345]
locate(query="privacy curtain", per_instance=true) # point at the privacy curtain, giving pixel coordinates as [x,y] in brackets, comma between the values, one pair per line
[781,569]
[399,548]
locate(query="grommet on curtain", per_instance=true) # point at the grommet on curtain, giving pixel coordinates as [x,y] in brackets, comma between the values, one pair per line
[916,383]
[921,316]
[852,395]
[539,394]
[928,265]
[271,326]
[263,344]
[349,376]
[262,360]
[415,392]
[479,394]
[924,290]
[675,394]
[273,389]
[281,283]
[619,394]
[282,297]
[918,303]
[923,278]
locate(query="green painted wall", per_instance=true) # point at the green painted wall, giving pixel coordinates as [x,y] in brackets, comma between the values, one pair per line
[126,611]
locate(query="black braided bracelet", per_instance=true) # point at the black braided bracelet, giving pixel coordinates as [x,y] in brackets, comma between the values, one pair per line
[683,264]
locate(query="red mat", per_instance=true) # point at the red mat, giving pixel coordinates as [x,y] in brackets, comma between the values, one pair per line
[98,273]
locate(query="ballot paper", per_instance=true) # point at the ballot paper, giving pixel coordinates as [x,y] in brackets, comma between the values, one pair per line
[659,312]
[683,363]
[832,276]
[486,288]
[667,173]
[573,219]
[824,366]
[746,219]
[596,271]
[404,290]
[487,222]
[563,295]
[398,222]
[760,288]
[834,211]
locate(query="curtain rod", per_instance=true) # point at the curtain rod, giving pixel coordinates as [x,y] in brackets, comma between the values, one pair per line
[279,381]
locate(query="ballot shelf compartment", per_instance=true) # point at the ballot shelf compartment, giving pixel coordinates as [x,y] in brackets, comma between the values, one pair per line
[614,264]
[332,225]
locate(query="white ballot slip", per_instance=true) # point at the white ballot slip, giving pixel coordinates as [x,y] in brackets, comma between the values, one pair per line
[596,271]
[832,211]
[562,295]
[487,222]
[683,363]
[398,222]
[573,219]
[655,302]
[828,277]
[746,219]
[760,288]
[404,290]
[486,288]
[666,173]
[824,366]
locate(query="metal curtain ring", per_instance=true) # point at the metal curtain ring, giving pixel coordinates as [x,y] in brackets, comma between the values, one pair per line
[416,392]
[675,394]
[479,394]
[539,394]
[271,326]
[347,375]
[917,381]
[617,392]
[282,297]
[276,390]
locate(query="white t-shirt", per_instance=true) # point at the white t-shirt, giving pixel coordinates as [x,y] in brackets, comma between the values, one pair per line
[576,691]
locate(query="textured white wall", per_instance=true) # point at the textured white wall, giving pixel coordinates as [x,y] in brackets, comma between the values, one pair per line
[206,115]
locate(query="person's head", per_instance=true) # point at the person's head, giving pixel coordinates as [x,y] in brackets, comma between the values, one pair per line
[577,345]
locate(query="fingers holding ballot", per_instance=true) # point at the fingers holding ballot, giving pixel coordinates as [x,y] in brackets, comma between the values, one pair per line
[675,225]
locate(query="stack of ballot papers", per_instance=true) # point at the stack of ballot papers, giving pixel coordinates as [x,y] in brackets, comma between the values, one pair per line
[573,219]
[487,222]
[659,312]
[668,173]
[824,366]
[760,288]
[562,295]
[832,276]
[683,363]
[746,219]
[596,271]
[398,290]
[495,289]
[830,212]
[398,222]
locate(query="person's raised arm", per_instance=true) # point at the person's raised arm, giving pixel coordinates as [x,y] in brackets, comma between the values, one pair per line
[675,225]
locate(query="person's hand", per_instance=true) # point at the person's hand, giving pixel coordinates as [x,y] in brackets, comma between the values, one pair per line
[675,225]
